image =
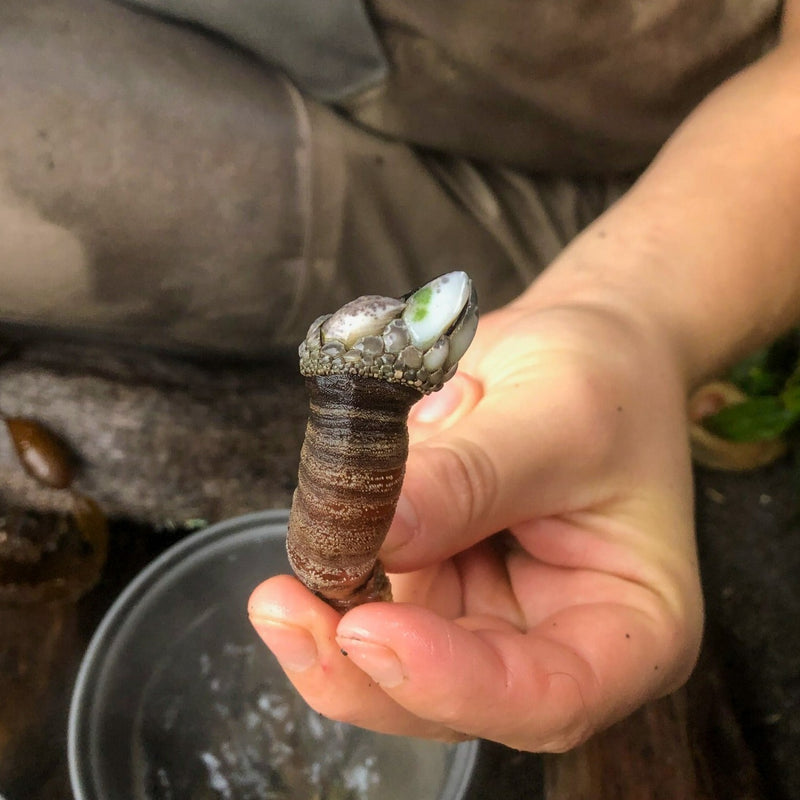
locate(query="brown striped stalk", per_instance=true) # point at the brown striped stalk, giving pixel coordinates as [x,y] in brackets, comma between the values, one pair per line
[365,366]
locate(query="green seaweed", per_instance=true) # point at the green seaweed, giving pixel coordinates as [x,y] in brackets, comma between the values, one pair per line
[771,380]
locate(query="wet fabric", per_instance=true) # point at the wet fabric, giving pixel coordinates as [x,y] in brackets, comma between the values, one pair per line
[561,86]
[328,49]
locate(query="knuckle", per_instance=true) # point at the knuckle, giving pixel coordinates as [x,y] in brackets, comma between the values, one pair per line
[570,737]
[470,478]
[575,724]
[336,710]
[454,710]
[683,635]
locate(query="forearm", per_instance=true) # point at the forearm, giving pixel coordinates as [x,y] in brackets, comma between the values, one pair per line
[706,245]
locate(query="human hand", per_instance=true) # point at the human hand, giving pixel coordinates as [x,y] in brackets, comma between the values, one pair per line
[566,431]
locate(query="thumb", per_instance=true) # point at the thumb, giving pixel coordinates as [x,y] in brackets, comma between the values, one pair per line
[510,458]
[440,410]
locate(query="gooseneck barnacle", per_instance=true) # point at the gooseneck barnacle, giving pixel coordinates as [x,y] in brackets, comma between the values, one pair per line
[365,366]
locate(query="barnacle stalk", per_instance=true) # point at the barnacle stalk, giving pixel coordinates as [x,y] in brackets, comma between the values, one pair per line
[365,366]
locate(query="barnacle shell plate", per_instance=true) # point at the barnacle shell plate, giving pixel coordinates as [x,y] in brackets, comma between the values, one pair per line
[361,317]
[417,340]
[463,333]
[434,307]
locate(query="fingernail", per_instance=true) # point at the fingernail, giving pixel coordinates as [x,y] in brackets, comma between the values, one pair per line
[437,406]
[404,526]
[294,647]
[406,515]
[378,661]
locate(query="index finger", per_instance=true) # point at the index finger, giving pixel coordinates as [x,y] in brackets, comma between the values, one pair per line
[546,689]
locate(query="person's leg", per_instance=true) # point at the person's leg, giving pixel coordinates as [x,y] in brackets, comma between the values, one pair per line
[150,178]
[161,186]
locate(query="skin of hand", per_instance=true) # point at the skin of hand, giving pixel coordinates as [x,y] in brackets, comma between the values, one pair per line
[559,433]
[566,433]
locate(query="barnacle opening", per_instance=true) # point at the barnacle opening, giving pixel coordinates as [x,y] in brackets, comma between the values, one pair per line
[416,340]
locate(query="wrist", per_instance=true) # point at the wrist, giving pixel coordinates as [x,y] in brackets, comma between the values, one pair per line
[706,310]
[599,285]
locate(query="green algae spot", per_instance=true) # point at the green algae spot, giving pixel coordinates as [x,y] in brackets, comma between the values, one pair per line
[421,302]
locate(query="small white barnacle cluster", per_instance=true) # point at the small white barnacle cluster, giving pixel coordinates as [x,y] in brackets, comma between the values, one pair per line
[416,340]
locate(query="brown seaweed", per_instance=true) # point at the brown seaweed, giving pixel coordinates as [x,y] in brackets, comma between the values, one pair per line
[44,455]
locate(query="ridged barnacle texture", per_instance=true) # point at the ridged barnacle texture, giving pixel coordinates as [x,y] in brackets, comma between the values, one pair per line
[365,366]
[351,472]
